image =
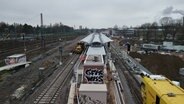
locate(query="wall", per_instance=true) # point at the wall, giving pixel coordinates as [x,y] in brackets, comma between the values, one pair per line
[93,74]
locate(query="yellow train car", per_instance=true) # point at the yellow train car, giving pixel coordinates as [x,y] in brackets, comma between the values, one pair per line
[157,89]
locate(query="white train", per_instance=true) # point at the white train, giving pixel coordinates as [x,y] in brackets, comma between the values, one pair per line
[150,47]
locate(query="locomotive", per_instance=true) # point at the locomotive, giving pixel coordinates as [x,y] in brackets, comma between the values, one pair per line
[79,48]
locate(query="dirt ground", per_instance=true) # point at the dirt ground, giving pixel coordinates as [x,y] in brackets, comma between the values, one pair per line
[167,65]
[30,75]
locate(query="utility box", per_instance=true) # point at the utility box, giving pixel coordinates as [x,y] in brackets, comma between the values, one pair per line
[93,94]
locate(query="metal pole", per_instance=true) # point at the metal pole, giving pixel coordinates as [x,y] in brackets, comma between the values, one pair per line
[41,76]
[183,21]
[41,30]
[41,19]
[60,58]
[23,35]
[60,50]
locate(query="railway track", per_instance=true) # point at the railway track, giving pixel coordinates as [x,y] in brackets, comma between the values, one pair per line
[30,51]
[51,92]
[29,48]
[132,82]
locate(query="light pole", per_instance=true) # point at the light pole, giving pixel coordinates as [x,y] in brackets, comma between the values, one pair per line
[41,76]
[60,51]
[23,35]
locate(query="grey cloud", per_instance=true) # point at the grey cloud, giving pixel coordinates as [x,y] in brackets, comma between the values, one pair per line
[179,11]
[170,10]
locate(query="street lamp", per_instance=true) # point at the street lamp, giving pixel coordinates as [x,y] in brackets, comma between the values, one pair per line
[60,51]
[41,72]
[23,35]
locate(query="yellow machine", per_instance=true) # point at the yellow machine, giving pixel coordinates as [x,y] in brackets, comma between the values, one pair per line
[79,48]
[157,89]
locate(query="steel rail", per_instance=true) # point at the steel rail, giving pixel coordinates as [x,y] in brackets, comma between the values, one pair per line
[51,91]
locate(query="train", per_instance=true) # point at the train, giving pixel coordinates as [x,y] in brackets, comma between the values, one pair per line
[79,48]
[150,47]
[157,89]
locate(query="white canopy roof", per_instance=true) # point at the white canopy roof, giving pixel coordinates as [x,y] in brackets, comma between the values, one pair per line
[93,87]
[96,51]
[96,37]
[104,38]
[88,39]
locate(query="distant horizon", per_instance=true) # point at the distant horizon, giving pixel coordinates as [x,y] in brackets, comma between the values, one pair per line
[33,25]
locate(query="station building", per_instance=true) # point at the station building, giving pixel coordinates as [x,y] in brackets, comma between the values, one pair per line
[93,87]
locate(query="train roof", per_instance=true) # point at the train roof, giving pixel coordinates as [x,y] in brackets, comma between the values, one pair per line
[166,89]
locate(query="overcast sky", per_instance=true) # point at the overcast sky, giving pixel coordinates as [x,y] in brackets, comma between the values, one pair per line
[88,13]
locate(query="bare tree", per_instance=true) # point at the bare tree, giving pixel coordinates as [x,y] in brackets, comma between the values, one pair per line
[175,27]
[115,27]
[147,30]
[165,25]
[169,26]
[154,27]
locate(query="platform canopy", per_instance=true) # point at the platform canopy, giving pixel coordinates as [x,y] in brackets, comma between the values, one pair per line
[104,38]
[96,37]
[88,39]
[96,51]
[93,87]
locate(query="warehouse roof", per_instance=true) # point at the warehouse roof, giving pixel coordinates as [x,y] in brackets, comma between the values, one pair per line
[93,87]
